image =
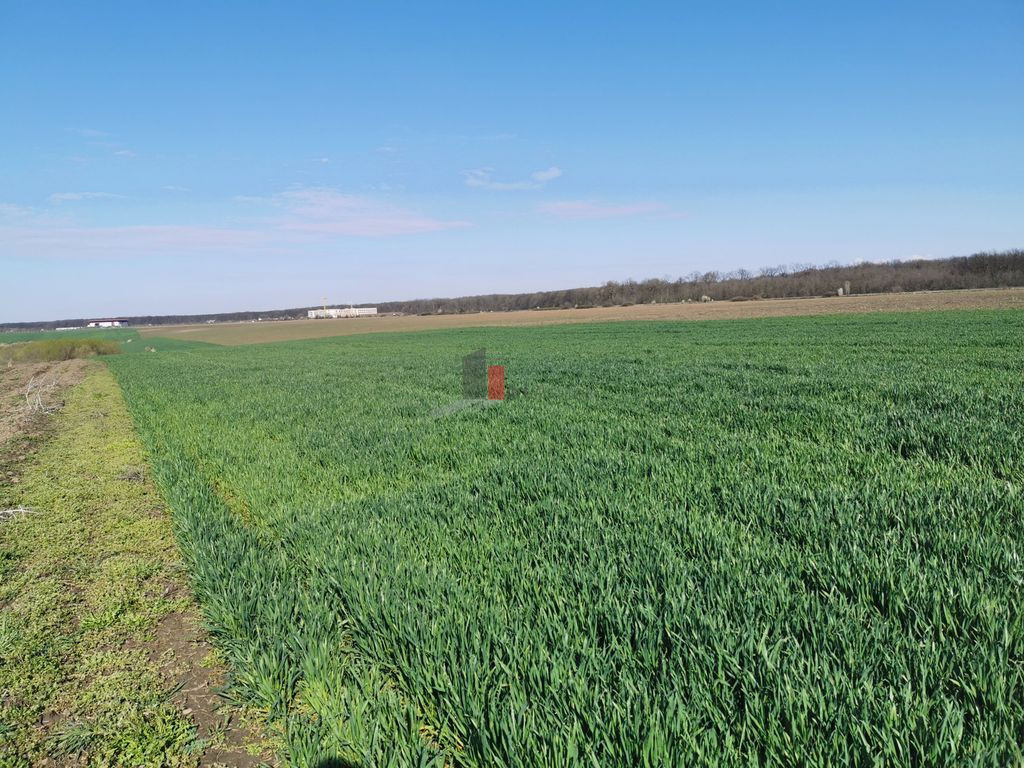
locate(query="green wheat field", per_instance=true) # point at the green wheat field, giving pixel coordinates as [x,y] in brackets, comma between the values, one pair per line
[765,542]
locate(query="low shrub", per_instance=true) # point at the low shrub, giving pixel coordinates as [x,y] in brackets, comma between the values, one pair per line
[56,349]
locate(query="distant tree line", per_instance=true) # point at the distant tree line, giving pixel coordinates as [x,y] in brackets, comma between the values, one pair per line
[982,270]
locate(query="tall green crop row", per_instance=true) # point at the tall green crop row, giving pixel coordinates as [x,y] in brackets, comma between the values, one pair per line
[742,543]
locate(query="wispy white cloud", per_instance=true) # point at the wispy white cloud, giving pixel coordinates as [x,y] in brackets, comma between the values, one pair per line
[89,133]
[10,211]
[34,232]
[321,160]
[13,215]
[324,210]
[481,178]
[65,241]
[65,197]
[275,224]
[542,177]
[104,140]
[502,136]
[592,209]
[175,188]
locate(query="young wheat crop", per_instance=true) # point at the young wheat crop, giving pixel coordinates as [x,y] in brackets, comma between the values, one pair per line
[737,543]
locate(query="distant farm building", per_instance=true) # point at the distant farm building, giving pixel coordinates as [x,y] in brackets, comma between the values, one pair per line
[105,324]
[323,314]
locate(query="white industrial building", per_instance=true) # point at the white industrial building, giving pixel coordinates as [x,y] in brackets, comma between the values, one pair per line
[105,324]
[322,314]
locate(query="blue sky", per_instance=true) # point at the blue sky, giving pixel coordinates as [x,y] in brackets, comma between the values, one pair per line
[201,157]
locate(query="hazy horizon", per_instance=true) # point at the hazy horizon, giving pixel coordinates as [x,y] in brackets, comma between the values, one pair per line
[753,272]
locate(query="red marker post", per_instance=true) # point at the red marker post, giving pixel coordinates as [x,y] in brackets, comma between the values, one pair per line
[496,382]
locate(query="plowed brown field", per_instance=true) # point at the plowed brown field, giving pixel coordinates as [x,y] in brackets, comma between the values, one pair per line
[290,330]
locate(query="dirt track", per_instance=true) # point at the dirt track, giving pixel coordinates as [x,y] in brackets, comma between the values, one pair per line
[18,416]
[289,330]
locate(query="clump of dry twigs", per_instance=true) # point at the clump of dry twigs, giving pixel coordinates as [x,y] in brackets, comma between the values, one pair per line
[6,515]
[37,395]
